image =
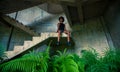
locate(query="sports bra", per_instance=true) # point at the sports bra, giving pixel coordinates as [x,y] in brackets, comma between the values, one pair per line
[61,26]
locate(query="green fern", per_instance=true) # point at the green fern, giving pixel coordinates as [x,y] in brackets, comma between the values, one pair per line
[108,63]
[98,67]
[112,59]
[90,57]
[64,63]
[80,62]
[28,63]
[92,61]
[31,62]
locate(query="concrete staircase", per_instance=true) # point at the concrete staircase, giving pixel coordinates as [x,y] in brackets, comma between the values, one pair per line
[19,25]
[28,44]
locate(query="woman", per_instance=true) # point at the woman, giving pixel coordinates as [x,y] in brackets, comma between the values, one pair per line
[62,29]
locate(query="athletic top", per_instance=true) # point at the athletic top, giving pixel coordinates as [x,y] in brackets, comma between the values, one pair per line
[61,26]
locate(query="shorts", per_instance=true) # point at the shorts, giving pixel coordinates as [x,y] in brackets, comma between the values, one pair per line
[61,31]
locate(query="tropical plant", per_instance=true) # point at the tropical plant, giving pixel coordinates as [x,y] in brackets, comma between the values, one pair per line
[90,57]
[93,62]
[110,62]
[80,62]
[31,62]
[98,67]
[88,61]
[112,59]
[64,63]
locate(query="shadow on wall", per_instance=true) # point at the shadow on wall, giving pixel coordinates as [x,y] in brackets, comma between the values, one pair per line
[112,18]
[17,38]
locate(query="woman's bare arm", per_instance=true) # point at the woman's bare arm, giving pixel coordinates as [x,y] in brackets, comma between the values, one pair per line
[65,28]
[58,26]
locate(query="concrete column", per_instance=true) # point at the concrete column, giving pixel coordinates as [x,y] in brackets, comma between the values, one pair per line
[67,14]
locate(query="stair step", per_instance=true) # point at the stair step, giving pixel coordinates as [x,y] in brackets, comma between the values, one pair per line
[53,34]
[28,44]
[35,38]
[9,54]
[56,34]
[64,35]
[18,48]
[44,35]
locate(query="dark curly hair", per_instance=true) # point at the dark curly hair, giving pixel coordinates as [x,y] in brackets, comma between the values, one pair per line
[61,18]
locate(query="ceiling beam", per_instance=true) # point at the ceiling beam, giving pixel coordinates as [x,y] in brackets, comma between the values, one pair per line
[80,11]
[10,6]
[67,3]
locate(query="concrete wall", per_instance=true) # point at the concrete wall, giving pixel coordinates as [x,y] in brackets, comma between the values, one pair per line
[112,19]
[17,38]
[4,36]
[37,19]
[49,24]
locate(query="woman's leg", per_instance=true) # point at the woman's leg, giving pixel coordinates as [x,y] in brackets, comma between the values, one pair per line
[59,32]
[68,35]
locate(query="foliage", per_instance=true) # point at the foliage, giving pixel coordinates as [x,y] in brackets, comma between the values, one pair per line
[98,67]
[112,59]
[110,62]
[88,61]
[32,62]
[80,62]
[64,63]
[28,63]
[90,57]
